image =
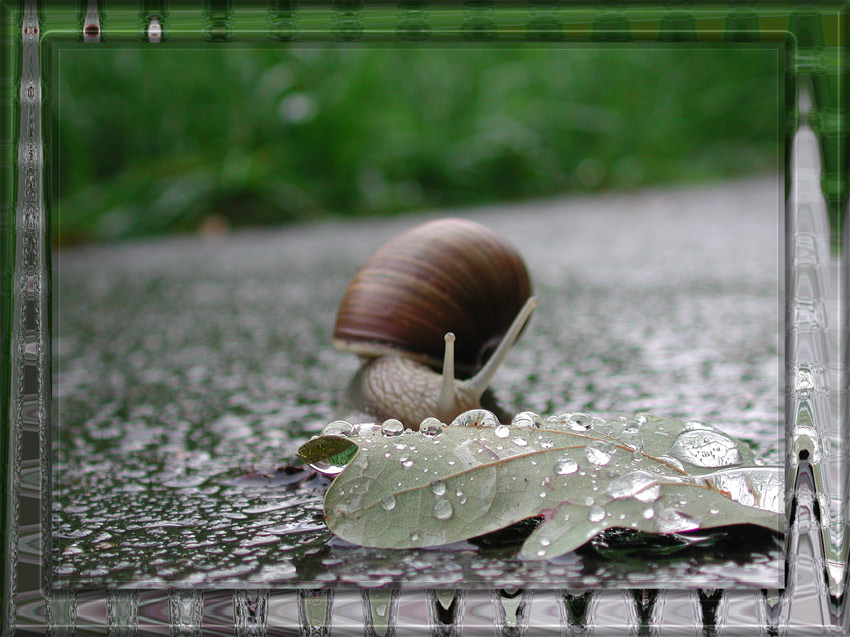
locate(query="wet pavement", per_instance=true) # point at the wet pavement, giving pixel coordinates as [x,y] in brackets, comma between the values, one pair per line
[187,370]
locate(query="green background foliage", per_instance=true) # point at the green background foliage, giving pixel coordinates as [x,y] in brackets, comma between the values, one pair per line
[154,141]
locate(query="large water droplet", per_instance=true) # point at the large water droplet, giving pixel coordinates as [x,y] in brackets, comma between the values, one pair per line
[392,427]
[632,440]
[579,421]
[431,427]
[388,503]
[338,428]
[673,521]
[519,441]
[502,431]
[566,466]
[761,487]
[637,484]
[557,419]
[596,514]
[476,418]
[693,425]
[705,448]
[443,509]
[438,487]
[406,461]
[527,419]
[366,428]
[599,452]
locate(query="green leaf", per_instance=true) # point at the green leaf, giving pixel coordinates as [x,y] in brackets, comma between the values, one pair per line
[327,448]
[581,474]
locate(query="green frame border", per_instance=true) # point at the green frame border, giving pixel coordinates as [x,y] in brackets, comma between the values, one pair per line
[816,35]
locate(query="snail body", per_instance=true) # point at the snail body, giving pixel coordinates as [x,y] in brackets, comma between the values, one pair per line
[402,312]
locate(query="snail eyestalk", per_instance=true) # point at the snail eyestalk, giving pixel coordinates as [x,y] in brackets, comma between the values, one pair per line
[447,390]
[478,384]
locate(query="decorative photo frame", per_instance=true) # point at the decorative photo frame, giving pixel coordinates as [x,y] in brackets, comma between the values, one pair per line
[813,39]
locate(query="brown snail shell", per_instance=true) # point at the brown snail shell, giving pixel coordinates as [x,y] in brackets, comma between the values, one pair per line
[447,275]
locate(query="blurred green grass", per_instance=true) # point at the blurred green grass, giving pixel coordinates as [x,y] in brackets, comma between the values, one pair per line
[156,141]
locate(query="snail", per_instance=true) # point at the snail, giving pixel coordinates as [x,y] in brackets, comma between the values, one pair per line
[449,294]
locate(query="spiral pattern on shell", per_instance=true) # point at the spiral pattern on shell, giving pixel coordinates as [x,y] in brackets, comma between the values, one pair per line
[447,275]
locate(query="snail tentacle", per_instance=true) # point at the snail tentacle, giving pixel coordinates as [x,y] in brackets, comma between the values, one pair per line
[447,391]
[478,384]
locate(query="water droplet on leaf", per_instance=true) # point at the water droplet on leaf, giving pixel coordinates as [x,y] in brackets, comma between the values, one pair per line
[438,487]
[431,427]
[443,509]
[476,418]
[596,514]
[599,452]
[527,419]
[703,448]
[579,421]
[673,521]
[637,484]
[566,466]
[392,427]
[338,428]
